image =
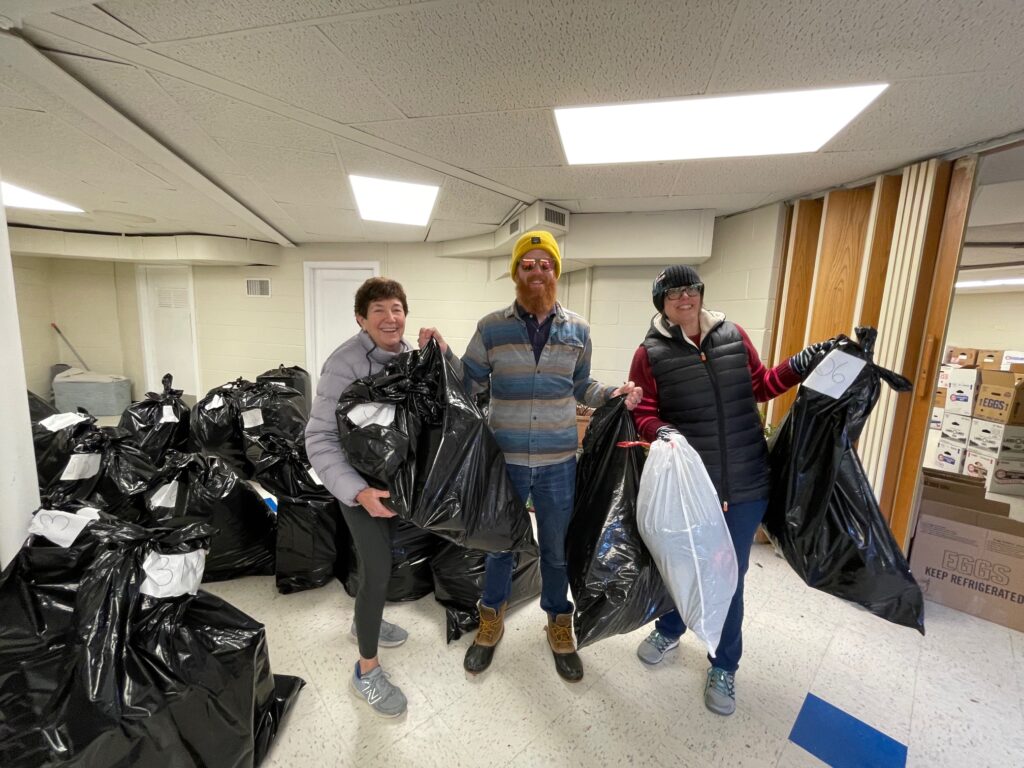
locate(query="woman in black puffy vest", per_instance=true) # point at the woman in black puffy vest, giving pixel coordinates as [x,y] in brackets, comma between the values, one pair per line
[702,377]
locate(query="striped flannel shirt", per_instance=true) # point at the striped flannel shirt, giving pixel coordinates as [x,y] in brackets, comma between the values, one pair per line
[533,403]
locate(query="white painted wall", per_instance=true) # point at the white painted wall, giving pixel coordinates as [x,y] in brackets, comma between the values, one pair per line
[35,313]
[95,302]
[987,321]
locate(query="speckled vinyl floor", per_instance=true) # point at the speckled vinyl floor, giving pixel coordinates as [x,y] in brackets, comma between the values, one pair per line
[954,697]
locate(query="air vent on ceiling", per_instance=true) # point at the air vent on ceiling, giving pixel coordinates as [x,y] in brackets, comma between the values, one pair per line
[513,226]
[551,216]
[257,287]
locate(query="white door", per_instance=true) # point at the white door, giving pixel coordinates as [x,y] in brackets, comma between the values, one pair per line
[330,295]
[167,314]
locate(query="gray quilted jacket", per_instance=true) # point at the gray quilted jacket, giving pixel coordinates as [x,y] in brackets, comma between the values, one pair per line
[355,358]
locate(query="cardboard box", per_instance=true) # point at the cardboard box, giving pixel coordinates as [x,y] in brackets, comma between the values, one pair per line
[985,435]
[1011,357]
[956,428]
[1011,445]
[939,400]
[960,394]
[962,356]
[936,420]
[999,397]
[990,359]
[961,491]
[946,481]
[943,382]
[970,560]
[949,457]
[1008,477]
[979,464]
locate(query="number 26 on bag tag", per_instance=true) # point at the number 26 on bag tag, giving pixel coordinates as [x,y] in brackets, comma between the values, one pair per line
[834,375]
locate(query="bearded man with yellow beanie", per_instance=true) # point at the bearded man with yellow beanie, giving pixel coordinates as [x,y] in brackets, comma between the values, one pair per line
[534,355]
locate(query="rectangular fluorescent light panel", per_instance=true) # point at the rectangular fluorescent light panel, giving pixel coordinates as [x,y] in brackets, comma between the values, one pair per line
[716,126]
[395,202]
[16,197]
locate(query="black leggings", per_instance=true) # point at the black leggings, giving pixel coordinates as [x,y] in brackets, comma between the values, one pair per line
[372,537]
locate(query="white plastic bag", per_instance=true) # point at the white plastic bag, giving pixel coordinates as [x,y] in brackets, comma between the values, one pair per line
[681,522]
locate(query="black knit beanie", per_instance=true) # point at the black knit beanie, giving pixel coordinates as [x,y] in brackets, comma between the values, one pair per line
[675,276]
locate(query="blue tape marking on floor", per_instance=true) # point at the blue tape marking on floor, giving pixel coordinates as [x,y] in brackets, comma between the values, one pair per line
[843,741]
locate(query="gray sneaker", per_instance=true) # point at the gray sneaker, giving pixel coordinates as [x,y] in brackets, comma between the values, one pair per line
[720,691]
[391,635]
[653,649]
[384,698]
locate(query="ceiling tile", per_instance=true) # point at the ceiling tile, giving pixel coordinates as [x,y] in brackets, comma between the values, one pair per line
[588,181]
[95,18]
[298,66]
[497,140]
[321,223]
[393,233]
[367,161]
[811,43]
[196,18]
[441,230]
[462,201]
[442,59]
[721,204]
[292,175]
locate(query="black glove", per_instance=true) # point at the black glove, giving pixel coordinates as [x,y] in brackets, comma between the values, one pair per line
[666,433]
[801,361]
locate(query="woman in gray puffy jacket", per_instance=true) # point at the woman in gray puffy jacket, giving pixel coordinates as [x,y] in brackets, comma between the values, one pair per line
[381,309]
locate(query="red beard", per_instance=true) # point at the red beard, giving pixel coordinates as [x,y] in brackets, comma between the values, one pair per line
[538,303]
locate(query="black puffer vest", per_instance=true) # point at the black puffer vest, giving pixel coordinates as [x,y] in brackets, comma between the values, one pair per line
[708,396]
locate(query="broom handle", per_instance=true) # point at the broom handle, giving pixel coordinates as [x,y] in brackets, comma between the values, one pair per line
[73,350]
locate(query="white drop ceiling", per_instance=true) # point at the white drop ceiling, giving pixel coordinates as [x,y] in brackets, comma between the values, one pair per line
[243,117]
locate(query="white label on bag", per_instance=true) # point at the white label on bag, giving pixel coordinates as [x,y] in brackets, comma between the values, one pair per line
[215,402]
[62,528]
[834,374]
[89,513]
[59,421]
[165,496]
[314,476]
[173,575]
[168,416]
[365,414]
[252,418]
[82,465]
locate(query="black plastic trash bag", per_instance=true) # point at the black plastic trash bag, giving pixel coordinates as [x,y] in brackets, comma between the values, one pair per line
[107,471]
[193,488]
[54,439]
[822,513]
[431,449]
[215,426]
[412,549]
[291,376]
[614,580]
[264,406]
[307,514]
[158,423]
[38,408]
[459,583]
[107,658]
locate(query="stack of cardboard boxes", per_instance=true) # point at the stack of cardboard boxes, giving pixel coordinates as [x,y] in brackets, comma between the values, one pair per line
[981,417]
[967,552]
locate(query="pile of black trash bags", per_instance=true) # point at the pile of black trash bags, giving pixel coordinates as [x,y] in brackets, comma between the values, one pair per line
[822,514]
[222,462]
[111,656]
[411,430]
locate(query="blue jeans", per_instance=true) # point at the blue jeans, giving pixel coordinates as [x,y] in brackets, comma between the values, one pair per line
[553,489]
[742,520]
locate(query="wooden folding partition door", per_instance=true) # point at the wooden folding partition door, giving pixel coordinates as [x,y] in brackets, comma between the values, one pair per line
[885,255]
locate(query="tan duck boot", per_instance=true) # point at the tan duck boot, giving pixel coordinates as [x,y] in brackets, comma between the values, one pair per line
[492,628]
[563,648]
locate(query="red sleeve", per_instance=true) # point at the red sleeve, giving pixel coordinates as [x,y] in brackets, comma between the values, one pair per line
[645,415]
[768,382]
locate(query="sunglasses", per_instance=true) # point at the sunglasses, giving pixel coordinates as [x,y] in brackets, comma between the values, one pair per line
[545,265]
[688,290]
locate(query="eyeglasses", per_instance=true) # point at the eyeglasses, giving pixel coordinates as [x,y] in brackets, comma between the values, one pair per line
[528,264]
[689,290]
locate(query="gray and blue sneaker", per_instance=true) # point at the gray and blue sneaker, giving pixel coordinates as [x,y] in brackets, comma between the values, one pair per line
[654,647]
[391,635]
[384,698]
[720,691]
